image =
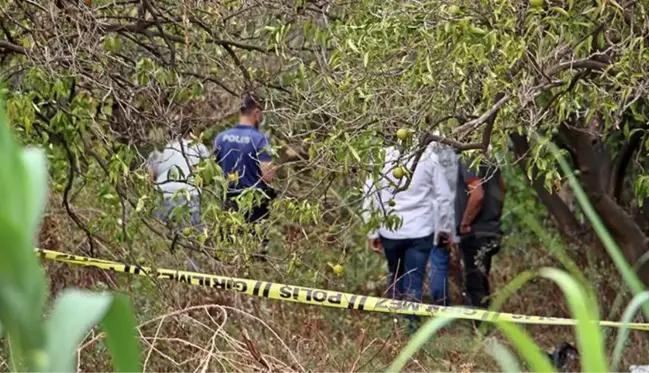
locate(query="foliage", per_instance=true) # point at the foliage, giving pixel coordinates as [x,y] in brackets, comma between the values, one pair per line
[36,345]
[99,84]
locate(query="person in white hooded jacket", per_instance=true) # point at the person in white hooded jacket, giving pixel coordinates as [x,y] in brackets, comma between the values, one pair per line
[425,208]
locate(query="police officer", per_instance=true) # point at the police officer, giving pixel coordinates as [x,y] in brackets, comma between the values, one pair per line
[243,153]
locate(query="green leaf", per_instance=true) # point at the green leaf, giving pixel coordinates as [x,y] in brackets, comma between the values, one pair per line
[503,356]
[628,314]
[584,309]
[536,359]
[22,284]
[422,336]
[75,313]
[36,167]
[119,325]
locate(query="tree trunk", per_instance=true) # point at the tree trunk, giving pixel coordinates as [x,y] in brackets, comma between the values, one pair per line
[567,222]
[594,165]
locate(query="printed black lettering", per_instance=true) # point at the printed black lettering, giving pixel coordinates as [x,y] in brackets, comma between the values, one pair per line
[308,294]
[351,302]
[166,275]
[240,286]
[382,303]
[485,316]
[361,303]
[396,305]
[127,268]
[335,298]
[410,306]
[432,308]
[203,281]
[319,296]
[471,311]
[62,257]
[267,289]
[296,293]
[220,283]
[515,316]
[185,278]
[255,290]
[285,291]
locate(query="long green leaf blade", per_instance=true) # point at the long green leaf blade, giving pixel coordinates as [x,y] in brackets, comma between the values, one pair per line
[75,313]
[535,358]
[419,339]
[584,309]
[504,357]
[119,325]
[628,314]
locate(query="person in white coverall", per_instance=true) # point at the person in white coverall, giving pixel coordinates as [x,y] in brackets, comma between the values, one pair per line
[425,209]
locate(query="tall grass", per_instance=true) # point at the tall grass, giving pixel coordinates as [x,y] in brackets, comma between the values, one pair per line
[578,292]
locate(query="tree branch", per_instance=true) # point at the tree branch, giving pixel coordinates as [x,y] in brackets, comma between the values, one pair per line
[9,47]
[471,125]
[579,64]
[564,217]
[237,61]
[620,165]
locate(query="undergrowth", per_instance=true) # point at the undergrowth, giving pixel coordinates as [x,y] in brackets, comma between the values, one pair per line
[184,328]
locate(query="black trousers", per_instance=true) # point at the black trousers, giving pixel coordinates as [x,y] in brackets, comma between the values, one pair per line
[477,253]
[255,215]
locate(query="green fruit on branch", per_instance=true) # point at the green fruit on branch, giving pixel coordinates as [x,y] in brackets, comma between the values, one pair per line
[398,173]
[403,134]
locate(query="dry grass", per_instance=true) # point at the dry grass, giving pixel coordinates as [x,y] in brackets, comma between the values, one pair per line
[185,328]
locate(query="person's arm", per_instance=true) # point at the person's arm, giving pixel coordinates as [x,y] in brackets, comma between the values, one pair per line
[444,204]
[473,183]
[152,164]
[266,165]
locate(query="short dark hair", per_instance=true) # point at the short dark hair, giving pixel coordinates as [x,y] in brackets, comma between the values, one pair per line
[250,102]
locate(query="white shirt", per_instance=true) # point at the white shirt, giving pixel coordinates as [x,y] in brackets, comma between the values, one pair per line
[172,166]
[426,207]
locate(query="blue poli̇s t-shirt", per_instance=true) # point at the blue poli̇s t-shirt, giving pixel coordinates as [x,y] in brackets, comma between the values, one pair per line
[240,150]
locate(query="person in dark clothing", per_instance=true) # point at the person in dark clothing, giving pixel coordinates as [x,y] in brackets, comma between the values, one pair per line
[243,153]
[479,203]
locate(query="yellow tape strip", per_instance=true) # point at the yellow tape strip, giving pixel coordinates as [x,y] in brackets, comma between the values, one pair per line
[318,297]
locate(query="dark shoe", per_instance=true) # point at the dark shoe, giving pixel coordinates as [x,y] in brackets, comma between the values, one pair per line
[565,357]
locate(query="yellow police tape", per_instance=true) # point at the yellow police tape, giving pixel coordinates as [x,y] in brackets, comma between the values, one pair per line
[318,297]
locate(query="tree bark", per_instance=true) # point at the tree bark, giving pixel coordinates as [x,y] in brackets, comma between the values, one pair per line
[568,223]
[595,167]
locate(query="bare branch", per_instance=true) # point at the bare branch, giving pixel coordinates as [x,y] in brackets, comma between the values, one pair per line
[9,47]
[471,125]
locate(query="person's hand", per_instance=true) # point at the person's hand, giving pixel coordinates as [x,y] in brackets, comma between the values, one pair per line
[444,239]
[375,245]
[465,228]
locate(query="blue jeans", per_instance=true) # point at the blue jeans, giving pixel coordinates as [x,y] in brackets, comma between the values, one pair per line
[165,212]
[438,276]
[407,260]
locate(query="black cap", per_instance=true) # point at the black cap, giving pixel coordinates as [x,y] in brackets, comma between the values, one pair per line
[250,101]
